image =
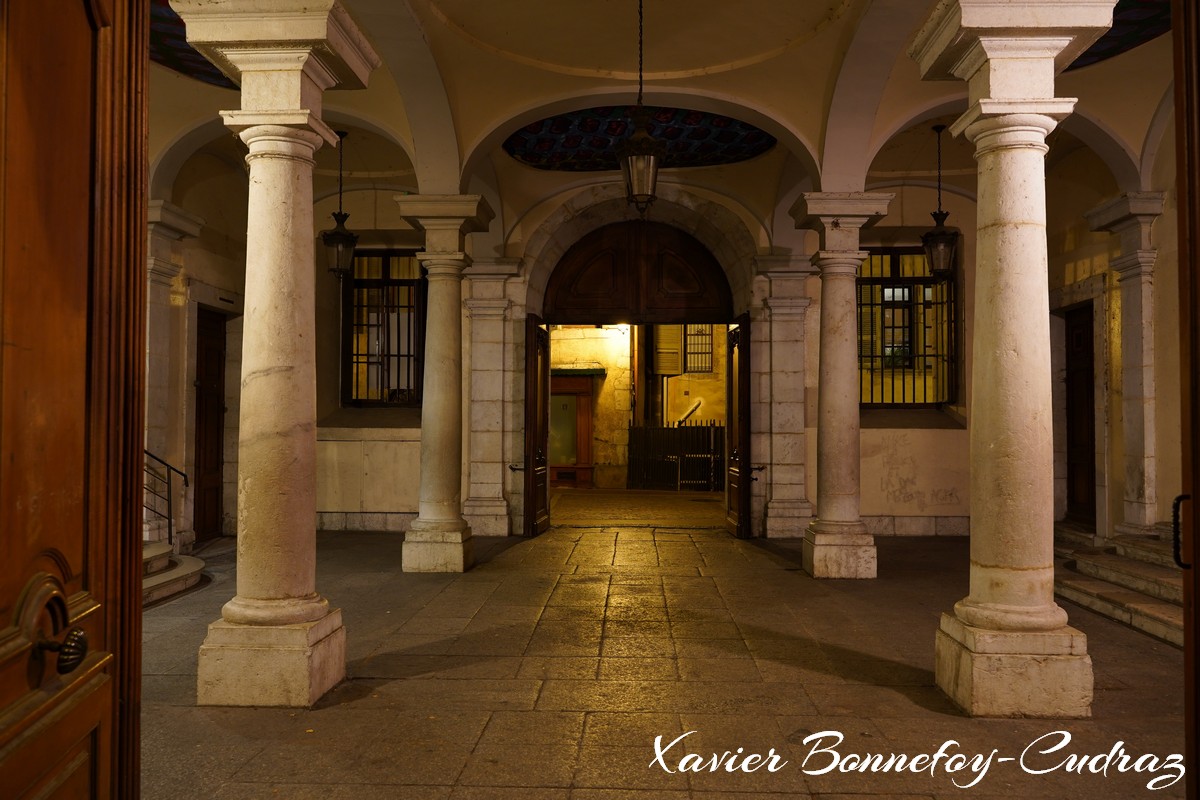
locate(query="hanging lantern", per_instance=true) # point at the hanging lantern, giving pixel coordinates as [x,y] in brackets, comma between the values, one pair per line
[339,242]
[641,154]
[940,242]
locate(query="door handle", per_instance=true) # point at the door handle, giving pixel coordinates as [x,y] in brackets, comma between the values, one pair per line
[1176,544]
[72,650]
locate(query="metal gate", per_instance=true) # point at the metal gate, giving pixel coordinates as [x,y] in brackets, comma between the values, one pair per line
[682,458]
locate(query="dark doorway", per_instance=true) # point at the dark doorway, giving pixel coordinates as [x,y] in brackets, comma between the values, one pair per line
[1081,416]
[643,278]
[210,424]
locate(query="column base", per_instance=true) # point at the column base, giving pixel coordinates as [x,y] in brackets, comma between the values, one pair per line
[487,516]
[437,547]
[838,550]
[788,519]
[1045,674]
[271,665]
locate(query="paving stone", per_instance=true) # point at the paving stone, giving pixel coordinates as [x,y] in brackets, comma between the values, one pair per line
[547,672]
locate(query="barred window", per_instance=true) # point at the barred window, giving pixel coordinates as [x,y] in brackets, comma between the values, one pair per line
[383,330]
[906,325]
[698,348]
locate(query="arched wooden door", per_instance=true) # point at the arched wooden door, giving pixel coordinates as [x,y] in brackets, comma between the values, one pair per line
[634,273]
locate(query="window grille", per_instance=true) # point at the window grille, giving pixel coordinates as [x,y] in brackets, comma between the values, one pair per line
[698,348]
[906,326]
[383,330]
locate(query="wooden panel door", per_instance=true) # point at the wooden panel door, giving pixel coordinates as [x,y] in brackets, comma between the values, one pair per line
[1185,27]
[210,424]
[738,474]
[72,261]
[537,426]
[1081,416]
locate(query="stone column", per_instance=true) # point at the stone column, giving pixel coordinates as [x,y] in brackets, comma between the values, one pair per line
[1006,650]
[278,643]
[439,539]
[789,511]
[836,544]
[486,509]
[168,224]
[1131,217]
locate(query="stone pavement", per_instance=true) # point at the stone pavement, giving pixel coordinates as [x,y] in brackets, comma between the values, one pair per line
[548,671]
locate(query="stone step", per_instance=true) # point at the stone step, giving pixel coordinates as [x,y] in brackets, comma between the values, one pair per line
[1163,583]
[183,573]
[1146,548]
[1158,618]
[1069,536]
[156,557]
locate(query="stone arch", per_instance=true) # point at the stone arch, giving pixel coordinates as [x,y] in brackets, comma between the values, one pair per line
[1159,125]
[879,40]
[720,230]
[1108,146]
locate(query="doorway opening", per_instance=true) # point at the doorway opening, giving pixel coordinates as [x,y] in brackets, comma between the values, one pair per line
[1080,416]
[629,379]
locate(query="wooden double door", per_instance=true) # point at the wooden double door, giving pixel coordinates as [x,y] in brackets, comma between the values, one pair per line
[72,260]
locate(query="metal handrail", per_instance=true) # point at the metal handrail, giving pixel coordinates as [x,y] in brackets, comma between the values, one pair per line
[151,487]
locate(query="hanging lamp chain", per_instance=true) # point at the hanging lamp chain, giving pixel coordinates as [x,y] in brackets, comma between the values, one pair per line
[640,23]
[938,129]
[341,152]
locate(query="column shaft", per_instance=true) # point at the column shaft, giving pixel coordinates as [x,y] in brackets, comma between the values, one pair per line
[838,396]
[1137,389]
[1012,451]
[276,577]
[439,539]
[441,401]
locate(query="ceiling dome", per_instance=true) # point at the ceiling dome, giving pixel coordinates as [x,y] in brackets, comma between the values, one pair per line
[585,140]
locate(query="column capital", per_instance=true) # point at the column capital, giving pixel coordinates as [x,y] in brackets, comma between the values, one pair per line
[495,268]
[487,307]
[243,36]
[445,218]
[838,263]
[169,221]
[1131,216]
[788,307]
[443,264]
[1030,37]
[166,224]
[839,216]
[796,265]
[1138,264]
[999,124]
[283,54]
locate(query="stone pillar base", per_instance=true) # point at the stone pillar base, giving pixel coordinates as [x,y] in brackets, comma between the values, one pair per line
[1014,673]
[487,516]
[428,549]
[271,665]
[846,551]
[788,519]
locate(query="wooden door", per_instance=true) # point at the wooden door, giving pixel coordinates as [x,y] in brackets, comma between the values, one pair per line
[1185,27]
[737,430]
[210,424]
[1081,417]
[537,426]
[72,311]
